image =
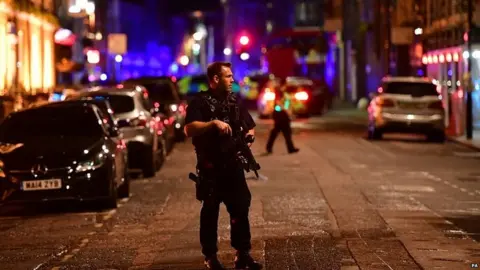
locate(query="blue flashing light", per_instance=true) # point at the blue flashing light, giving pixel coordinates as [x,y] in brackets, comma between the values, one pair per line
[174,68]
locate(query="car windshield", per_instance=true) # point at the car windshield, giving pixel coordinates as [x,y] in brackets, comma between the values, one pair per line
[161,91]
[119,103]
[409,88]
[53,122]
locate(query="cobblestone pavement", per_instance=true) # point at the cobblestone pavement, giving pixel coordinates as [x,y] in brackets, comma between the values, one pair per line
[340,203]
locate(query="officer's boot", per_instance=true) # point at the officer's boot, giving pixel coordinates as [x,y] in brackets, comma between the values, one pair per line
[213,263]
[243,260]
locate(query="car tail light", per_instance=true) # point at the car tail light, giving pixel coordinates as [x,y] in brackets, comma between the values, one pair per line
[302,95]
[181,108]
[436,105]
[140,121]
[121,144]
[269,96]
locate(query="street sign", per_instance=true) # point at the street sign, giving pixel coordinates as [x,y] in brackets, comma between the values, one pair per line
[117,43]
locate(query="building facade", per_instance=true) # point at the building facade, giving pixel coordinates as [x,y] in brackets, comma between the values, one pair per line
[446,58]
[27,46]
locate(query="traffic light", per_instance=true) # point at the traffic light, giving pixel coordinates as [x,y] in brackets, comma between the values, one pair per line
[244,40]
[244,43]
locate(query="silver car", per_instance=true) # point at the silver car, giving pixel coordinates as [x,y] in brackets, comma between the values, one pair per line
[407,105]
[132,110]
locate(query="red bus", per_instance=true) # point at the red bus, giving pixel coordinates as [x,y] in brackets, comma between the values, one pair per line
[297,52]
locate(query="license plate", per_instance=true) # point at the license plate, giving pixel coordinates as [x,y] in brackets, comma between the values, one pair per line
[412,105]
[42,184]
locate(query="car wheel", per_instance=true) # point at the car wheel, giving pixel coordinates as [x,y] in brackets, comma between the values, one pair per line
[111,201]
[438,137]
[149,162]
[263,116]
[124,189]
[180,135]
[302,115]
[161,153]
[374,134]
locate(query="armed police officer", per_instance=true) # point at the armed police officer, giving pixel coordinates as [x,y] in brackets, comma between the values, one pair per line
[215,120]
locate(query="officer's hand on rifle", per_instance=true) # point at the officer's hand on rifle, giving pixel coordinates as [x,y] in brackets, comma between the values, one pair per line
[250,132]
[223,127]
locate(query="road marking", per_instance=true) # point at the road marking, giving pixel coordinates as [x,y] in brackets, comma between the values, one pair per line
[67,257]
[454,186]
[412,188]
[55,268]
[467,154]
[463,189]
[75,250]
[358,166]
[98,225]
[461,232]
[92,233]
[471,193]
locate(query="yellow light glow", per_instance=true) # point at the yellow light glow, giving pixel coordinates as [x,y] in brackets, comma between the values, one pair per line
[12,60]
[48,78]
[28,57]
[3,51]
[35,57]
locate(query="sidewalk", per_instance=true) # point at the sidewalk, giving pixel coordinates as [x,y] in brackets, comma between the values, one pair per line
[473,143]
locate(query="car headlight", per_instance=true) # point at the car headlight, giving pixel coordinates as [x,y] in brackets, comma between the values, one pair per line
[94,163]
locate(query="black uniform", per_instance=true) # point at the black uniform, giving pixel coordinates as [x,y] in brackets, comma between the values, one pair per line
[221,175]
[282,123]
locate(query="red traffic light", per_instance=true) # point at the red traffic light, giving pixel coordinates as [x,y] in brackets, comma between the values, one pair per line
[244,40]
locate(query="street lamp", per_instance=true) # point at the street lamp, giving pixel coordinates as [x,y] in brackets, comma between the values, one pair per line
[81,8]
[227,51]
[183,60]
[200,47]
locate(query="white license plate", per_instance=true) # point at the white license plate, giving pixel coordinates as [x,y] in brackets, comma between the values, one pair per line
[42,184]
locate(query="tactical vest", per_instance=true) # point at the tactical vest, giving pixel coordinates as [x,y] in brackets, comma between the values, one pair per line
[226,111]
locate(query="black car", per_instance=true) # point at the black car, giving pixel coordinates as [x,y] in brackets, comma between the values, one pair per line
[105,107]
[165,98]
[62,151]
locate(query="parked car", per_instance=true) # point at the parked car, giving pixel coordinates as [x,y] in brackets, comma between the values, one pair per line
[407,105]
[164,95]
[62,151]
[132,110]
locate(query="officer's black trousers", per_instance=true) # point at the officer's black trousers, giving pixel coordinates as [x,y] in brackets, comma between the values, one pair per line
[232,190]
[287,134]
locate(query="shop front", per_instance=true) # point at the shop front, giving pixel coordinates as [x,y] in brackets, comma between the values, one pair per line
[447,68]
[26,49]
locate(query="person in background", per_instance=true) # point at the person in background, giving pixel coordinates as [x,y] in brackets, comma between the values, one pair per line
[282,123]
